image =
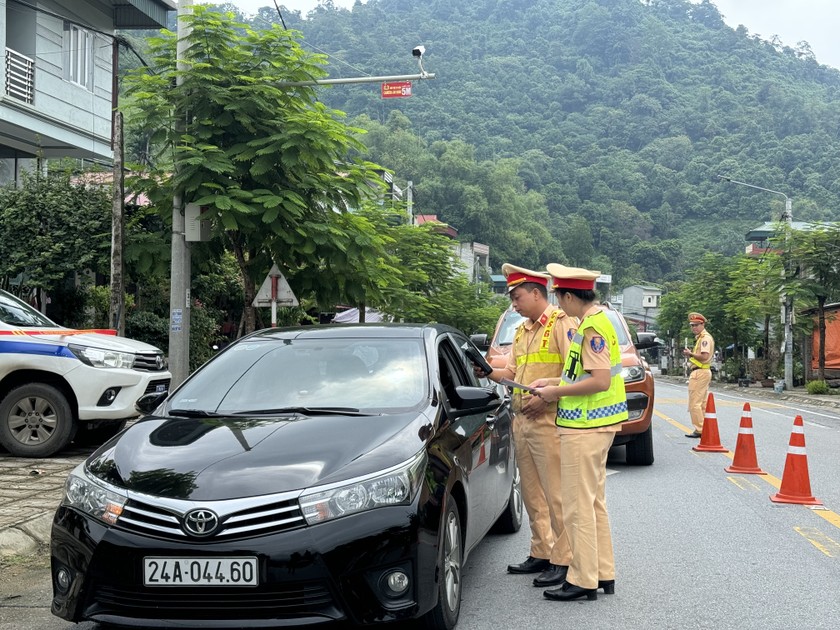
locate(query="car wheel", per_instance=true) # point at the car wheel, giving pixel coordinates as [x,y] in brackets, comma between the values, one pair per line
[445,614]
[640,449]
[35,421]
[89,435]
[510,520]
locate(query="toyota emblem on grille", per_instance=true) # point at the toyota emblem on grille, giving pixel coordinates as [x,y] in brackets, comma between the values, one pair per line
[200,522]
[159,362]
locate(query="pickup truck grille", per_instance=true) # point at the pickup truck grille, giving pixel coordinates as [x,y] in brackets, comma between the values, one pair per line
[152,362]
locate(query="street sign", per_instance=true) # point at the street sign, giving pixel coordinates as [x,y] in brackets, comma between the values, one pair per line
[396,89]
[282,293]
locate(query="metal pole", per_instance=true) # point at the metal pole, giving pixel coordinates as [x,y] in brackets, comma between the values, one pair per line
[179,277]
[398,77]
[787,316]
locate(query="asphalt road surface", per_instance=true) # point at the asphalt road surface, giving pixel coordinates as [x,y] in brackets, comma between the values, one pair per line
[696,547]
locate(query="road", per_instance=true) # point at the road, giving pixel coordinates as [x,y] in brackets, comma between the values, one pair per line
[696,547]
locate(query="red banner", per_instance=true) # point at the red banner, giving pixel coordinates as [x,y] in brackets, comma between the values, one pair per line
[396,89]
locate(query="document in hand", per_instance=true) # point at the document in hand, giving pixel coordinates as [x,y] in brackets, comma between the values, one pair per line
[510,383]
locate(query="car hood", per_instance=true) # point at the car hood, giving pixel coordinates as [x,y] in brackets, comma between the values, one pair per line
[222,458]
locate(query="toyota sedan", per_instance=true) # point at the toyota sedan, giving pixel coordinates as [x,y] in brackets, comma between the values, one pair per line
[303,476]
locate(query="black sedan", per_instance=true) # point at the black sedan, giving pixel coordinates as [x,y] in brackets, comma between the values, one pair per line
[303,476]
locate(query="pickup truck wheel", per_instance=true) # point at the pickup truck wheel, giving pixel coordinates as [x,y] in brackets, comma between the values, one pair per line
[640,450]
[35,421]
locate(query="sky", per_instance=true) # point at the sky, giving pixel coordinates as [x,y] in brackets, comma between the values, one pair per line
[814,21]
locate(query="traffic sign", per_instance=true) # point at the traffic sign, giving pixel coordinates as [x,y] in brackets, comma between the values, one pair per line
[396,89]
[281,293]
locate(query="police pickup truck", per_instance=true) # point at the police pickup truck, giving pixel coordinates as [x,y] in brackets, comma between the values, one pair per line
[57,384]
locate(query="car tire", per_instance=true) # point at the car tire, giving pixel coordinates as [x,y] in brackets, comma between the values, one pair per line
[35,421]
[444,616]
[88,435]
[640,449]
[510,520]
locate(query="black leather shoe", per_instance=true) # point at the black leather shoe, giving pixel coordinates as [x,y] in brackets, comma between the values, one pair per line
[531,565]
[569,592]
[694,434]
[608,586]
[552,576]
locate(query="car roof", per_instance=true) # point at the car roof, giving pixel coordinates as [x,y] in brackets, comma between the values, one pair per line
[375,330]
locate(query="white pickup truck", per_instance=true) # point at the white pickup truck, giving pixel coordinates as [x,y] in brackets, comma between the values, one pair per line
[57,384]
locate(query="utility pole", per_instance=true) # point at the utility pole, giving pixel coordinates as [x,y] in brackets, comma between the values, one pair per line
[179,275]
[116,310]
[787,299]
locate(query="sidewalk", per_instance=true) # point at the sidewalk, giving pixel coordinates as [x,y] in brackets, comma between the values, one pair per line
[30,491]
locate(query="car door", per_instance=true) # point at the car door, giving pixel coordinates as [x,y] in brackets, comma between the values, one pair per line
[475,436]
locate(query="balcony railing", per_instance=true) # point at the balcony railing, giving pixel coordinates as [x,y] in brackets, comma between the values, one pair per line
[20,76]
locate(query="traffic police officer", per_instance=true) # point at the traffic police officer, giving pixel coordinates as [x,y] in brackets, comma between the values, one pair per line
[592,404]
[540,343]
[700,371]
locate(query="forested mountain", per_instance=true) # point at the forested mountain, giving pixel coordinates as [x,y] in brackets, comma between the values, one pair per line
[618,114]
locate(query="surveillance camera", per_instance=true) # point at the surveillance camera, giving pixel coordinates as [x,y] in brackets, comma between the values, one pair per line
[418,51]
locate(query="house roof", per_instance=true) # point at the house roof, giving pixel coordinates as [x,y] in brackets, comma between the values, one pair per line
[142,14]
[768,230]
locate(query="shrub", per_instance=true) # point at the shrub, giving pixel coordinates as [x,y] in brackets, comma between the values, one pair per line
[817,387]
[148,327]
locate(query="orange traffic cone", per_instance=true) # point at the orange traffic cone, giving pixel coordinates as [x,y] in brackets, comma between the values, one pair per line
[745,460]
[710,439]
[796,487]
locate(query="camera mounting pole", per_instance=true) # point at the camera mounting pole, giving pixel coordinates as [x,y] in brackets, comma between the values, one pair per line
[418,52]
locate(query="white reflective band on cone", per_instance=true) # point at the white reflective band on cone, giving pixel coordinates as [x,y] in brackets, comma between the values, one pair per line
[796,450]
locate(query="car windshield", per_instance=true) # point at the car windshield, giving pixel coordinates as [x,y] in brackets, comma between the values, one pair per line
[270,375]
[15,312]
[507,330]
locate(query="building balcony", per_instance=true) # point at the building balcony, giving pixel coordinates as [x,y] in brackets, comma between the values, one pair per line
[20,76]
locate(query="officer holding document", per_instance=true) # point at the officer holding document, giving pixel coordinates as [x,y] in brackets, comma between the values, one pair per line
[539,345]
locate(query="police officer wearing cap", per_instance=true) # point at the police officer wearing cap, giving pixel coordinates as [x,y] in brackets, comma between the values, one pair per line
[591,405]
[700,371]
[540,343]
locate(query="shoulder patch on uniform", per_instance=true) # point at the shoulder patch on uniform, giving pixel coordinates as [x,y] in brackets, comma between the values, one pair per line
[704,343]
[597,343]
[570,333]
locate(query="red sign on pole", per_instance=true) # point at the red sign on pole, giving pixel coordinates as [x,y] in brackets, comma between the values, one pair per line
[396,89]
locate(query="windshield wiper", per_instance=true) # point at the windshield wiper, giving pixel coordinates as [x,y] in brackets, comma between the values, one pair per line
[308,411]
[194,413]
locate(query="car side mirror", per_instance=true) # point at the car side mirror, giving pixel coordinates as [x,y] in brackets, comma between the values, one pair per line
[147,403]
[474,400]
[646,340]
[481,341]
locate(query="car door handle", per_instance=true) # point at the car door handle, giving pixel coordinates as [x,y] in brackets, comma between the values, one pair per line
[490,421]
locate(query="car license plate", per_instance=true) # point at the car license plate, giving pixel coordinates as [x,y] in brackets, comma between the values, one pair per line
[160,388]
[199,571]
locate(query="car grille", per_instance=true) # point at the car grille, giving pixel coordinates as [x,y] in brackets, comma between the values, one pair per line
[264,515]
[154,385]
[153,362]
[283,600]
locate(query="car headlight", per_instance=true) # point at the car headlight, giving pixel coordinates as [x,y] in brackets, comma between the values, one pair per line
[395,486]
[97,357]
[633,373]
[85,494]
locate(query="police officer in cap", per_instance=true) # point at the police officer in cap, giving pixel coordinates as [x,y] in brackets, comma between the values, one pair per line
[700,371]
[540,343]
[592,404]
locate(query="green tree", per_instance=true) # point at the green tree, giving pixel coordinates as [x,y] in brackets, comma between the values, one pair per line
[271,163]
[52,225]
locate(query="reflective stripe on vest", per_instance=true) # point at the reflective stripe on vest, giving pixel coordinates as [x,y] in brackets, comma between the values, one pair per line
[696,350]
[593,410]
[542,355]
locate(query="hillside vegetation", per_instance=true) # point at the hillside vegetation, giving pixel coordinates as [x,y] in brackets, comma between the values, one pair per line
[616,117]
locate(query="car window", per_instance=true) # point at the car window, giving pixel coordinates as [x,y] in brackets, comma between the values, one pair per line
[15,312]
[365,374]
[620,328]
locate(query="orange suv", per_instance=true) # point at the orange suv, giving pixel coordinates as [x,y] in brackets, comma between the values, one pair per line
[636,433]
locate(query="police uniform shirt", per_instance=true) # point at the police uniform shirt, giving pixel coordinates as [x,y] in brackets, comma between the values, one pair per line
[529,342]
[705,343]
[595,355]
